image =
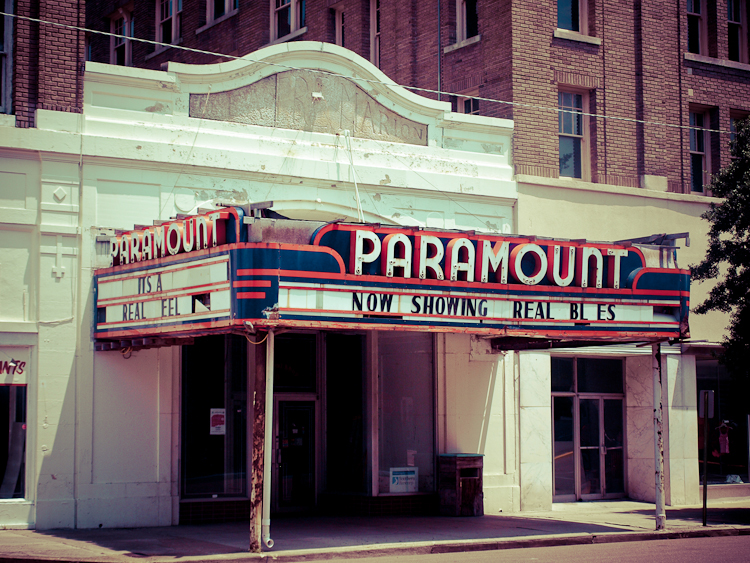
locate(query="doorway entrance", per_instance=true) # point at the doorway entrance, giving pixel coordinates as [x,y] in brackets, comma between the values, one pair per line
[294,462]
[588,428]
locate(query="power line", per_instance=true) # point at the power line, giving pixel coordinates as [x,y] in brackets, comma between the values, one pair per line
[366,80]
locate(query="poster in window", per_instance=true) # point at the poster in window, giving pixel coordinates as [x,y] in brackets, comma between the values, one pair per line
[218,422]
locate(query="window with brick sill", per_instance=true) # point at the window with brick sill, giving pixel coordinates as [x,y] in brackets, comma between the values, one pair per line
[696,28]
[375,32]
[465,104]
[734,119]
[287,16]
[168,21]
[699,143]
[572,15]
[737,44]
[216,9]
[573,135]
[121,27]
[6,56]
[339,24]
[467,20]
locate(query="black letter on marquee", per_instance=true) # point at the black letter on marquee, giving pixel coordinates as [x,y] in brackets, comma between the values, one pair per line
[517,309]
[415,304]
[356,302]
[573,311]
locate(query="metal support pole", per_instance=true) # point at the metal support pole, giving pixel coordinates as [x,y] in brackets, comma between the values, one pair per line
[265,523]
[705,457]
[661,517]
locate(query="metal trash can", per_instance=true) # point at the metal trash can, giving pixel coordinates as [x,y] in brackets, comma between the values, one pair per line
[460,484]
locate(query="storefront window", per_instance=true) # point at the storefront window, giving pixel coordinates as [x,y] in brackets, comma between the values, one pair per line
[294,363]
[214,417]
[12,441]
[728,429]
[406,412]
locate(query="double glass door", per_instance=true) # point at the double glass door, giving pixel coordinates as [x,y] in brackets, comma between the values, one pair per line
[588,433]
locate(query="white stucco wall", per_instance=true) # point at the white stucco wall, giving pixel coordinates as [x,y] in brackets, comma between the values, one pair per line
[103,428]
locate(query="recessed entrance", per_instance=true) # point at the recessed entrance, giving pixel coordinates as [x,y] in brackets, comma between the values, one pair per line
[588,428]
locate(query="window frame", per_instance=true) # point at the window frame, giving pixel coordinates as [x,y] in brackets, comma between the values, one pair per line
[701,28]
[734,117]
[463,32]
[6,60]
[459,103]
[583,17]
[585,133]
[739,27]
[375,36]
[116,42]
[175,22]
[297,19]
[339,24]
[230,7]
[699,136]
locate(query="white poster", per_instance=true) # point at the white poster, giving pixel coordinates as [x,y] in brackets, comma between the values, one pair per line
[218,422]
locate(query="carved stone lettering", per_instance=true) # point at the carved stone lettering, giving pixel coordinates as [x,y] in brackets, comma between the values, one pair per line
[309,101]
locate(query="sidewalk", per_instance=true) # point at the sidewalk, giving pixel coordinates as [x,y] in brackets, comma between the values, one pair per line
[315,538]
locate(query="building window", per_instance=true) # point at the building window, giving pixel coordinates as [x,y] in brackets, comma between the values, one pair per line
[218,8]
[572,129]
[467,22]
[734,121]
[6,57]
[571,15]
[288,17]
[696,27]
[168,19]
[375,32]
[698,143]
[736,31]
[465,104]
[120,47]
[339,25]
[12,441]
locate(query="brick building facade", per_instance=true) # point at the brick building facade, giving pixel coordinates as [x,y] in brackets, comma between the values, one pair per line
[631,62]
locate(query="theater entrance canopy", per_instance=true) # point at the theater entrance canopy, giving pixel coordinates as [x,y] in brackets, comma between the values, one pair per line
[223,271]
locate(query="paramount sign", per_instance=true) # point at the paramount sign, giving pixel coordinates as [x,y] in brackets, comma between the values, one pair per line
[201,273]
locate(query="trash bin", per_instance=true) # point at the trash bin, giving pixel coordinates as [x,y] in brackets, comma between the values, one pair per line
[460,484]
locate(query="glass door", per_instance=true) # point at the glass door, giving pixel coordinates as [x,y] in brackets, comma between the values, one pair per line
[587,429]
[601,449]
[295,456]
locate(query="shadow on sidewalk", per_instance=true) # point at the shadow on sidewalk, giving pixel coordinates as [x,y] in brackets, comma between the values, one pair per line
[310,532]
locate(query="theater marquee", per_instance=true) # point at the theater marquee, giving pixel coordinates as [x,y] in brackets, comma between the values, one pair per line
[200,275]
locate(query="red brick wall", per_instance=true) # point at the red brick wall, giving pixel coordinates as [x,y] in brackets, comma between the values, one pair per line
[638,73]
[47,63]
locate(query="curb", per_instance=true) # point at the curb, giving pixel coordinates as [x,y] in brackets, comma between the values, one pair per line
[416,548]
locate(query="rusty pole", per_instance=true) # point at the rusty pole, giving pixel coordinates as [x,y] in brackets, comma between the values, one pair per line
[661,517]
[259,430]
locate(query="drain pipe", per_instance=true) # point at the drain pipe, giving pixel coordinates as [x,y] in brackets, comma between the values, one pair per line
[265,522]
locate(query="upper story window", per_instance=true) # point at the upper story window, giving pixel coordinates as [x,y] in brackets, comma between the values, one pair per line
[375,32]
[288,17]
[696,18]
[737,31]
[168,21]
[734,119]
[467,21]
[218,8]
[120,51]
[572,15]
[6,56]
[699,171]
[465,104]
[573,137]
[339,25]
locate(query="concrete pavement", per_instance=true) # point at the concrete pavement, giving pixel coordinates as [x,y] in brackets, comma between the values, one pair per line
[315,538]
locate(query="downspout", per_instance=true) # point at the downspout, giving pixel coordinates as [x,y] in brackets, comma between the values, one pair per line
[440,56]
[265,522]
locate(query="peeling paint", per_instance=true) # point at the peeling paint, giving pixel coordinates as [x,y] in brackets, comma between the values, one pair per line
[376,197]
[386,180]
[158,107]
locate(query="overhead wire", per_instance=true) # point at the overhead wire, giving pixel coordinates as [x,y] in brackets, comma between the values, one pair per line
[363,79]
